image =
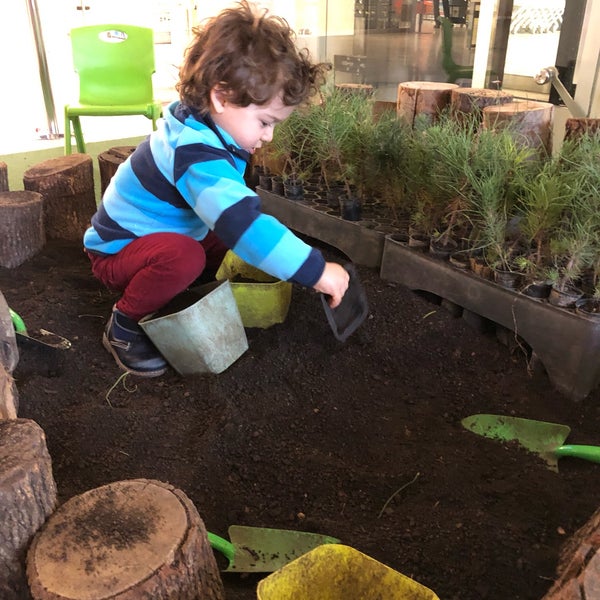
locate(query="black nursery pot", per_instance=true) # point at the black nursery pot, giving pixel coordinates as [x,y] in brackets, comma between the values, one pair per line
[277,185]
[264,180]
[293,189]
[590,307]
[350,208]
[565,298]
[333,195]
[539,290]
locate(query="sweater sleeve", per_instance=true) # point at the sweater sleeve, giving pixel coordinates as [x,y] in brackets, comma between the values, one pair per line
[216,191]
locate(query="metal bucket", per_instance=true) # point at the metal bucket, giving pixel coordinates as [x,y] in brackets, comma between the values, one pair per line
[200,330]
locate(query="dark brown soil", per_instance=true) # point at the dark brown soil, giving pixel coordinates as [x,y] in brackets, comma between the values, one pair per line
[359,440]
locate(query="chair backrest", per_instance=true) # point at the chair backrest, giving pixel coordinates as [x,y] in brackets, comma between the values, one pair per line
[115,64]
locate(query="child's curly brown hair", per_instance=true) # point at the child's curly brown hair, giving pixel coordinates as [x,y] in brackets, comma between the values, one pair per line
[250,57]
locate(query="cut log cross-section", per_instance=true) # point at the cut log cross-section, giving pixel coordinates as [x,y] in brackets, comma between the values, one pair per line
[530,121]
[3,177]
[472,101]
[575,127]
[28,493]
[67,185]
[109,161]
[128,540]
[22,233]
[578,571]
[426,98]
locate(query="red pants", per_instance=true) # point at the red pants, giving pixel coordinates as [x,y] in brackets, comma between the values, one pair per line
[153,269]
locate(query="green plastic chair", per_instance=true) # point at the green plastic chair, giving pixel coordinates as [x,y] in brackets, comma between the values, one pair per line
[115,64]
[453,70]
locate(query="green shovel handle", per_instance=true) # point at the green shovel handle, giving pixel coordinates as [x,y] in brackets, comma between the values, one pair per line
[222,545]
[17,322]
[578,451]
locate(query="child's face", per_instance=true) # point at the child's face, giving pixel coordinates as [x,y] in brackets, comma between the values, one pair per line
[250,126]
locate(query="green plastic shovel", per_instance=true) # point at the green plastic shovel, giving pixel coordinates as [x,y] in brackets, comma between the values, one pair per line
[540,437]
[264,550]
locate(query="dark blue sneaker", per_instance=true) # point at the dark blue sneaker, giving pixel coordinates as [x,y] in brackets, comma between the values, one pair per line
[131,347]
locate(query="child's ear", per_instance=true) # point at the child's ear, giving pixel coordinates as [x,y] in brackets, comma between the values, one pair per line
[218,99]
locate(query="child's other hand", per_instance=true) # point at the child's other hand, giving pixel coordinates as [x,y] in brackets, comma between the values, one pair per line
[333,283]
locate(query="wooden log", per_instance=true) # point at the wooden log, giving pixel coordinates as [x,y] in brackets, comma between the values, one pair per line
[22,232]
[67,185]
[530,121]
[28,493]
[578,567]
[381,107]
[9,397]
[3,177]
[426,98]
[472,101]
[576,127]
[356,88]
[128,540]
[9,351]
[109,161]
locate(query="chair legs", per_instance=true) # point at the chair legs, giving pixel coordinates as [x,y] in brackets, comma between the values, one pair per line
[67,134]
[73,127]
[78,135]
[74,120]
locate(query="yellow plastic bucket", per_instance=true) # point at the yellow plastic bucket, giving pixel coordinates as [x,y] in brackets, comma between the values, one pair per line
[261,299]
[338,572]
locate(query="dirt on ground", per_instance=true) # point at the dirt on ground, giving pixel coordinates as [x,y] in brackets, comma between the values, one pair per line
[361,440]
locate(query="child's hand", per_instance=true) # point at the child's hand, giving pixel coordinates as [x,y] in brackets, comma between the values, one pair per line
[333,283]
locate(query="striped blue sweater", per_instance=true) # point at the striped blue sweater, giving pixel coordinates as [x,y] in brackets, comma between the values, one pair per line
[188,177]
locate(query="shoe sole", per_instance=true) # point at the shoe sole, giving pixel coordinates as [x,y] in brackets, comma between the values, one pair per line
[155,373]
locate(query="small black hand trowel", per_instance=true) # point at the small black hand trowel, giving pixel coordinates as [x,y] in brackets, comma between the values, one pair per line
[348,316]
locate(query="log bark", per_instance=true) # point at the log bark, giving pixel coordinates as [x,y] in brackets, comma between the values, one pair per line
[67,185]
[579,565]
[356,88]
[9,398]
[9,351]
[530,121]
[128,540]
[22,232]
[576,127]
[109,161]
[425,98]
[472,101]
[3,177]
[28,493]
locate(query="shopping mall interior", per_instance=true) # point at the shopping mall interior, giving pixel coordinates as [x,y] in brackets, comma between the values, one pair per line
[378,42]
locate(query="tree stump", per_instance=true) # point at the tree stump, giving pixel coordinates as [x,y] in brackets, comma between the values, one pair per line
[579,565]
[3,177]
[425,98]
[128,540]
[530,121]
[109,161]
[9,399]
[9,358]
[576,127]
[67,185]
[9,351]
[28,493]
[22,233]
[472,101]
[363,89]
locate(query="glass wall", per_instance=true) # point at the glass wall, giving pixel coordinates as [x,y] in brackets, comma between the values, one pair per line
[380,42]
